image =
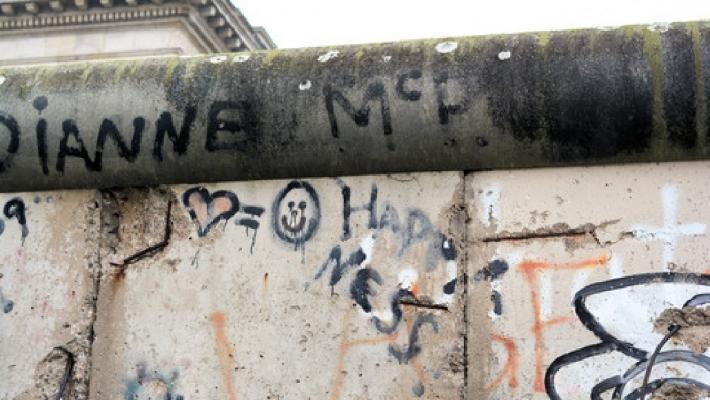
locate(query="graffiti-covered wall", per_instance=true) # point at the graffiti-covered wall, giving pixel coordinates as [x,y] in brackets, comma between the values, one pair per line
[573,272]
[530,284]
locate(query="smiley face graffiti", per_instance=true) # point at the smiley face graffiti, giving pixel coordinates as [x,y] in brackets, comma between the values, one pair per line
[295,214]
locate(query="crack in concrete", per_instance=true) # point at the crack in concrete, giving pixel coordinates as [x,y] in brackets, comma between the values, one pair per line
[560,230]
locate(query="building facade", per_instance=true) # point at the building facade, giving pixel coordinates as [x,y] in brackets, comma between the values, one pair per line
[49,31]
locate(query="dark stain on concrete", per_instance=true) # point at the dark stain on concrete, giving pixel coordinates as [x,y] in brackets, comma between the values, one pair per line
[679,89]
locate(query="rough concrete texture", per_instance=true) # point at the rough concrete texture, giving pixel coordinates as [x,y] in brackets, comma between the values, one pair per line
[571,269]
[48,261]
[310,289]
[638,93]
[531,284]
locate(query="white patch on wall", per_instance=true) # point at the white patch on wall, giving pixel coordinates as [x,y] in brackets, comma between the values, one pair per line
[407,278]
[496,286]
[240,58]
[218,59]
[660,27]
[386,58]
[504,55]
[305,85]
[670,231]
[616,267]
[489,211]
[367,245]
[629,313]
[580,281]
[384,315]
[446,47]
[2,79]
[328,56]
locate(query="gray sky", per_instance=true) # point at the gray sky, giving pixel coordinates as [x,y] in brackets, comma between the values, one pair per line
[305,23]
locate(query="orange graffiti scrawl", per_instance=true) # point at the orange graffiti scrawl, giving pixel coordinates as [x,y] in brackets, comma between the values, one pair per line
[224,353]
[531,269]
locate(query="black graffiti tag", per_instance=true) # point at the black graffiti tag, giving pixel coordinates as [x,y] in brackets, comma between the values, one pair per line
[209,209]
[295,214]
[15,209]
[413,348]
[612,342]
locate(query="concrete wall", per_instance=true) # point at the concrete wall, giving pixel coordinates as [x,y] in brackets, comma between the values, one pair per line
[525,284]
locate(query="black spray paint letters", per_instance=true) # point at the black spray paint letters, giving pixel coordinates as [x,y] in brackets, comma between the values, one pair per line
[15,209]
[413,348]
[235,118]
[416,227]
[615,343]
[360,287]
[231,125]
[369,207]
[493,272]
[10,124]
[361,116]
[295,213]
[207,210]
[377,92]
[240,123]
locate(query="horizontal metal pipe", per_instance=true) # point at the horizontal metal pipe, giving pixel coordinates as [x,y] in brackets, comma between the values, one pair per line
[630,94]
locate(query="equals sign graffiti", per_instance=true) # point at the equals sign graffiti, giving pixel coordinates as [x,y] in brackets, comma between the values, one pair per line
[250,222]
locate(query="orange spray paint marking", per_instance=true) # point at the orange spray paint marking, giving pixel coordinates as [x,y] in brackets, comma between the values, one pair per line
[346,345]
[224,353]
[531,269]
[511,364]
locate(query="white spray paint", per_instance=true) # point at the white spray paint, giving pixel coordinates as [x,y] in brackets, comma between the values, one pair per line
[616,266]
[660,27]
[580,281]
[446,47]
[218,59]
[504,55]
[670,231]
[240,58]
[367,245]
[2,79]
[407,278]
[488,211]
[629,313]
[496,287]
[328,56]
[304,85]
[386,58]
[384,315]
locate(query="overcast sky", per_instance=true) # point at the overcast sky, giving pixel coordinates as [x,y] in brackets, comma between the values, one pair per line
[305,23]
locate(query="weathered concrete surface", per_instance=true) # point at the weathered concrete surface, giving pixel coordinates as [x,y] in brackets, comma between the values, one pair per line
[540,99]
[46,292]
[321,289]
[571,270]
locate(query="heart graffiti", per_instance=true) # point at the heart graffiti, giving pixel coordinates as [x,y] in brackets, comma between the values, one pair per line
[208,209]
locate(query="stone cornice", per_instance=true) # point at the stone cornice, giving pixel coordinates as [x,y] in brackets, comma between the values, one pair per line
[217,21]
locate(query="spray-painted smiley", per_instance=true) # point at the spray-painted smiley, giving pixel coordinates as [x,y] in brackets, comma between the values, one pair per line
[296,213]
